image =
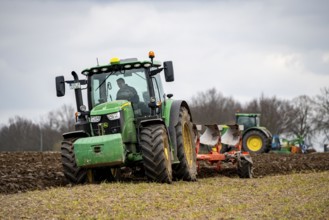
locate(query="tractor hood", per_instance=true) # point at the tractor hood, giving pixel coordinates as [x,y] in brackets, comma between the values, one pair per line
[109,107]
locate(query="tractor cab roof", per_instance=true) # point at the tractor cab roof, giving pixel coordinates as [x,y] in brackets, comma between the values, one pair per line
[120,65]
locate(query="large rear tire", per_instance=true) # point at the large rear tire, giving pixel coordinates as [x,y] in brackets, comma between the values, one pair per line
[186,153]
[72,172]
[255,141]
[156,153]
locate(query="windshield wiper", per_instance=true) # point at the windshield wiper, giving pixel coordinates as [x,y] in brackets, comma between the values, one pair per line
[105,80]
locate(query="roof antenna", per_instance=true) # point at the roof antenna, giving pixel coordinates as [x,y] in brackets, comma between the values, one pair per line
[97,61]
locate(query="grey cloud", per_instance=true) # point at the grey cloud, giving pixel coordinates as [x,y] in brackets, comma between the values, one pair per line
[212,43]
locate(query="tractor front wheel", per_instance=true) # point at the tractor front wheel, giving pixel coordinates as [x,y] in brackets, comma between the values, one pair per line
[186,153]
[72,172]
[156,153]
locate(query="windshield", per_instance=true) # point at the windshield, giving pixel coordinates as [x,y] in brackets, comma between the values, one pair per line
[247,121]
[128,85]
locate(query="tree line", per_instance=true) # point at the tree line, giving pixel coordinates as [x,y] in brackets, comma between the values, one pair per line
[302,116]
[25,135]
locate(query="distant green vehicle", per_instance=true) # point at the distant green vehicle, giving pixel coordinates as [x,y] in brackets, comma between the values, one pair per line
[255,139]
[131,126]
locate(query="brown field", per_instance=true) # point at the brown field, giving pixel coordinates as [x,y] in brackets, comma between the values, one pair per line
[33,186]
[25,171]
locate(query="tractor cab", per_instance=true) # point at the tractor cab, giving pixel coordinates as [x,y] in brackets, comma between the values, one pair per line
[129,79]
[248,120]
[120,83]
[133,85]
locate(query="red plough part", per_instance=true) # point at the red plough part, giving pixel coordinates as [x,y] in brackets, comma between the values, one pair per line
[220,144]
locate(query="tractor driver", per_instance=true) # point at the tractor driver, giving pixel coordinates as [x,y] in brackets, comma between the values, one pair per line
[126,92]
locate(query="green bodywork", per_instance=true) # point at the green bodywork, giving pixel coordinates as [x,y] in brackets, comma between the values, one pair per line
[108,149]
[105,150]
[114,149]
[109,107]
[166,106]
[126,110]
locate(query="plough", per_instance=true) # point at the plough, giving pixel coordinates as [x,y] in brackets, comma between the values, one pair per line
[222,144]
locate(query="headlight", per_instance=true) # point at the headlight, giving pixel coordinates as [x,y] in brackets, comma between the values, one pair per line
[95,118]
[113,116]
[83,108]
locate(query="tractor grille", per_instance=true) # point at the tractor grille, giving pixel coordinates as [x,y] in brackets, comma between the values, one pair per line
[112,127]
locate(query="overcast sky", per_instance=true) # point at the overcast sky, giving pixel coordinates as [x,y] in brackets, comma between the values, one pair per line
[243,48]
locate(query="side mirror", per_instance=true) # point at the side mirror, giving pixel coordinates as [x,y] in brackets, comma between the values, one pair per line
[60,86]
[168,71]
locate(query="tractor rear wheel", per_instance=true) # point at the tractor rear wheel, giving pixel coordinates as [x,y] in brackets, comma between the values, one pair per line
[244,168]
[186,153]
[254,141]
[72,172]
[156,153]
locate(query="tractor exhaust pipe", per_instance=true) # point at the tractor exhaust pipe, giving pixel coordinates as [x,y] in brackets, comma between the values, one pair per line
[78,93]
[81,122]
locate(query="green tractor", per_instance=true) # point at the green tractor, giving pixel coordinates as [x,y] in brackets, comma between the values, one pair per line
[255,139]
[132,127]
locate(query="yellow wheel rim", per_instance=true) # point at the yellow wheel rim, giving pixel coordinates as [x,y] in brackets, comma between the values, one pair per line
[254,143]
[187,144]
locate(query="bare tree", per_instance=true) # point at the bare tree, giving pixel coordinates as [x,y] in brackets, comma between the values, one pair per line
[23,135]
[302,125]
[61,120]
[56,123]
[211,107]
[276,115]
[321,118]
[20,134]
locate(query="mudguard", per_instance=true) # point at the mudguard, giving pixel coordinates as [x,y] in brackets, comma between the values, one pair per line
[266,132]
[146,122]
[173,121]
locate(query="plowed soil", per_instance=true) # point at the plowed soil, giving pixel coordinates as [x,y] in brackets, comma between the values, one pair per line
[24,171]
